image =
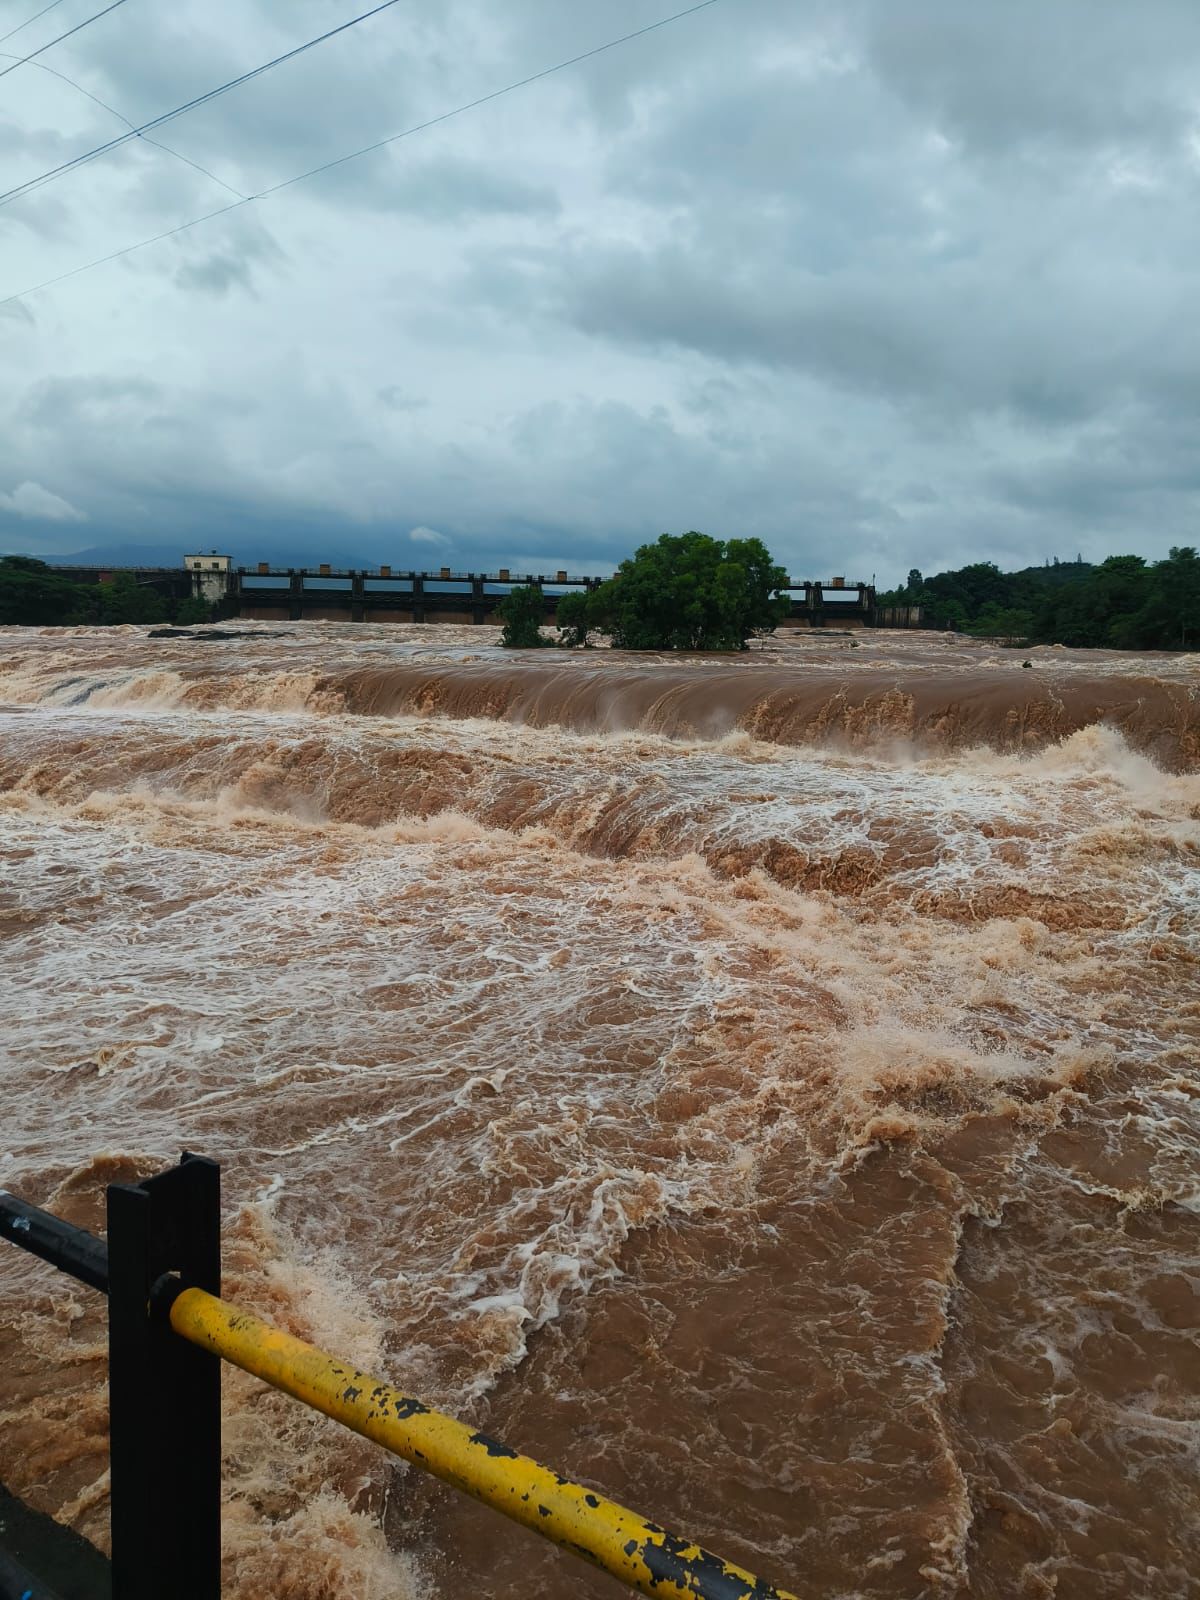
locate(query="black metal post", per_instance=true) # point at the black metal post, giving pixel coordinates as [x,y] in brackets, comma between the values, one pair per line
[42,1560]
[164,1394]
[18,1583]
[68,1248]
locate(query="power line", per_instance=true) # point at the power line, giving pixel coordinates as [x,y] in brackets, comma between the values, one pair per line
[28,20]
[521,83]
[189,105]
[128,250]
[445,116]
[104,105]
[41,50]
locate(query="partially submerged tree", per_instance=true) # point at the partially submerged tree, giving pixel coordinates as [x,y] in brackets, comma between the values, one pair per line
[571,619]
[691,592]
[522,612]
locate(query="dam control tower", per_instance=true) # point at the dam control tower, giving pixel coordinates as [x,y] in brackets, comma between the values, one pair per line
[210,575]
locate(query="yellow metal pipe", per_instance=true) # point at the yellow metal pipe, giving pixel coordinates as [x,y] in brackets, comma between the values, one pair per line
[638,1553]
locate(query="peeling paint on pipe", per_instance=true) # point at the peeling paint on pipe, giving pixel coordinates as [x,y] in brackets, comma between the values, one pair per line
[638,1553]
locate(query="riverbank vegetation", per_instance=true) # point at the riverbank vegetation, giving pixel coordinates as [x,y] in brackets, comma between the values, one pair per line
[692,592]
[1123,603]
[32,594]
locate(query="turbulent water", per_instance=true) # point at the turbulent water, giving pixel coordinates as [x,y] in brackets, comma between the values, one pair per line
[766,1088]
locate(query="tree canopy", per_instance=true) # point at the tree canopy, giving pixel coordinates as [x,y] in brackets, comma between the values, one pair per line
[1124,603]
[572,620]
[522,611]
[32,594]
[689,592]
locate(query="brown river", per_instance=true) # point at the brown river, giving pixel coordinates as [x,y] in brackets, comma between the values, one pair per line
[766,1088]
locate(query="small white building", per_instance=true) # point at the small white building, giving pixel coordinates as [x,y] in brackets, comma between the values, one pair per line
[210,575]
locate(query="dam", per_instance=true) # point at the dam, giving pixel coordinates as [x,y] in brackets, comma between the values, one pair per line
[266,593]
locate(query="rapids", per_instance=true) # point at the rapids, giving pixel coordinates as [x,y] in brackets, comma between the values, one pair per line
[764,1088]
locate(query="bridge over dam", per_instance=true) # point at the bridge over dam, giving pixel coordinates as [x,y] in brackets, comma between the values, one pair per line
[471,597]
[383,594]
[328,594]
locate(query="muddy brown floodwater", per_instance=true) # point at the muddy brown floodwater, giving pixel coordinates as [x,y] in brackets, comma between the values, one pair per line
[766,1088]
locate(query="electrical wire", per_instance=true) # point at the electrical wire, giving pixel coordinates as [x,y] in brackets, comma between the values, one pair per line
[445,116]
[521,83]
[189,105]
[41,50]
[104,105]
[6,36]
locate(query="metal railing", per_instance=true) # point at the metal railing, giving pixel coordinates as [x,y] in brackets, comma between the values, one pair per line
[169,1331]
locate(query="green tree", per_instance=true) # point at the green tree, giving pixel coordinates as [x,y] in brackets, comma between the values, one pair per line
[1097,607]
[1002,622]
[691,592]
[124,599]
[31,595]
[1124,603]
[971,587]
[1177,583]
[571,619]
[193,610]
[522,612]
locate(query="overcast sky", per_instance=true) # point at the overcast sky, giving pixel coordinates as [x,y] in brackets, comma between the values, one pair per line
[885,282]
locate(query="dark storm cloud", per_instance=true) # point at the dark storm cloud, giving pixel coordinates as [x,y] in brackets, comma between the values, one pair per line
[444,189]
[451,189]
[1055,354]
[1083,74]
[217,275]
[221,271]
[907,285]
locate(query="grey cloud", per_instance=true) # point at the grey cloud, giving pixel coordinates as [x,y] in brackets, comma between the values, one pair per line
[250,246]
[396,398]
[450,189]
[56,403]
[441,189]
[1137,475]
[1075,74]
[946,343]
[909,283]
[430,537]
[217,274]
[33,501]
[359,87]
[611,89]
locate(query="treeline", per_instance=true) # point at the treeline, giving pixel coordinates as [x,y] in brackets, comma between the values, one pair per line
[1124,603]
[32,594]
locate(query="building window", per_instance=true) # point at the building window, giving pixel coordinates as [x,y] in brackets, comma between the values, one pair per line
[216,566]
